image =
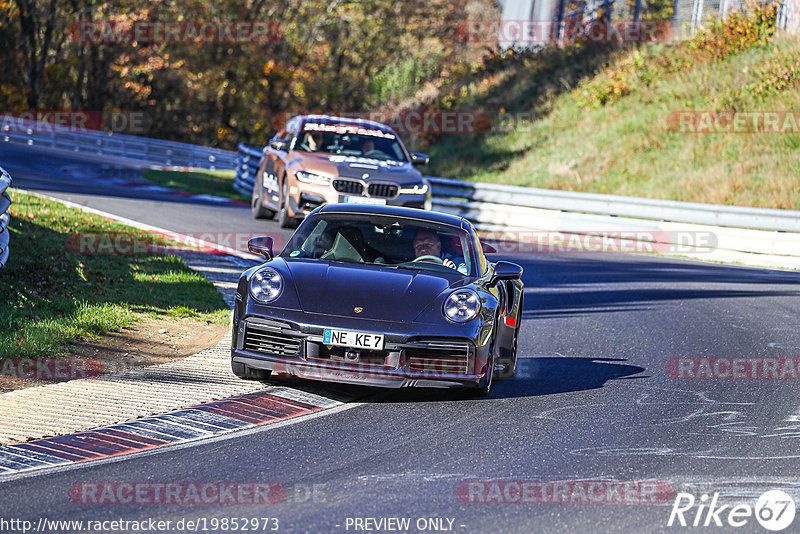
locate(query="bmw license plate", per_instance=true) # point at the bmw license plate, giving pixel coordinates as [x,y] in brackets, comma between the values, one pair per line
[365,200]
[356,340]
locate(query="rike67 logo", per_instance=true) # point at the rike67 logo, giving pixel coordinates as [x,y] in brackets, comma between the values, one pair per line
[774,510]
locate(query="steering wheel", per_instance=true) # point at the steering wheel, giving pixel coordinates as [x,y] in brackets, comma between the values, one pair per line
[429,257]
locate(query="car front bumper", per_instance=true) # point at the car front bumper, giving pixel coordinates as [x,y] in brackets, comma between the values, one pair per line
[290,344]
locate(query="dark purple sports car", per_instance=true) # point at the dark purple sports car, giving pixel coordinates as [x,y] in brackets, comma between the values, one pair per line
[382,296]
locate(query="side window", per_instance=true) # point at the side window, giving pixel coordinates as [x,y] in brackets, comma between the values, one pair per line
[291,129]
[483,263]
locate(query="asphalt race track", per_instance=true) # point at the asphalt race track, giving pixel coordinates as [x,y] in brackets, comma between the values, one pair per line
[597,406]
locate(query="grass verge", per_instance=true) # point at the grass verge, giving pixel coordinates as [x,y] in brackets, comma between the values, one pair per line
[52,294]
[216,183]
[609,130]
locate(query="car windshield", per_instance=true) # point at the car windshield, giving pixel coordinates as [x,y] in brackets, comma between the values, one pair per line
[383,240]
[350,140]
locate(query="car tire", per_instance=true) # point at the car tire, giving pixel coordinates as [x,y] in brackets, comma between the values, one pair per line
[507,355]
[485,385]
[511,370]
[516,332]
[283,215]
[257,202]
[249,373]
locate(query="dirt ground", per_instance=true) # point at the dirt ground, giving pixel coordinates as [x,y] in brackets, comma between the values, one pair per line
[149,342]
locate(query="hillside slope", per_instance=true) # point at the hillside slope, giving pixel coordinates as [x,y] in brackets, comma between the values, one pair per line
[605,120]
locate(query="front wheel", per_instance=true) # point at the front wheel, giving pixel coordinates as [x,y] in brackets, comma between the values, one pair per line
[508,354]
[485,385]
[257,202]
[283,215]
[249,373]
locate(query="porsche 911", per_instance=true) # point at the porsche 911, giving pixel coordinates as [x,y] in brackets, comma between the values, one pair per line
[381,296]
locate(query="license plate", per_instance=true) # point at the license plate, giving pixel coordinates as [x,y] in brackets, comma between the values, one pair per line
[356,340]
[365,200]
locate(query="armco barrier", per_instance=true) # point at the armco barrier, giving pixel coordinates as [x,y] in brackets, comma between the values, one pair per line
[127,148]
[5,202]
[474,195]
[246,169]
[754,236]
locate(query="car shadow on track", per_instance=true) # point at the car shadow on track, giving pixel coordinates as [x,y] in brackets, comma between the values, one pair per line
[535,377]
[549,376]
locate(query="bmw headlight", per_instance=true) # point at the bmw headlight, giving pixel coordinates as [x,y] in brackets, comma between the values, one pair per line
[266,285]
[462,306]
[310,178]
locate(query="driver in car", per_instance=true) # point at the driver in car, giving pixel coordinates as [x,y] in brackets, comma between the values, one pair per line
[312,142]
[368,148]
[427,243]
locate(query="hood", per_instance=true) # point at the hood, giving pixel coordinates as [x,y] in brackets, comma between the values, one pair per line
[355,167]
[384,293]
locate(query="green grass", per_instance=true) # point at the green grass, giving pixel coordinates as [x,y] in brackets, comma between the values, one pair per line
[599,121]
[217,183]
[52,294]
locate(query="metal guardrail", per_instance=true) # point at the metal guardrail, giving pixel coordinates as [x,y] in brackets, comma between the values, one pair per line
[491,203]
[246,169]
[470,197]
[114,145]
[5,217]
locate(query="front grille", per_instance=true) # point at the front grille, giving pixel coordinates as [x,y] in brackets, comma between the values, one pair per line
[379,359]
[443,365]
[348,186]
[383,190]
[272,337]
[436,358]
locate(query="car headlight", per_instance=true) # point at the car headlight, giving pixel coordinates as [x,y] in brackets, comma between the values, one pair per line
[462,306]
[309,178]
[266,285]
[419,189]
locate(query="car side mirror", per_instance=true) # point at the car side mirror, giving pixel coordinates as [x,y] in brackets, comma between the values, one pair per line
[419,159]
[504,270]
[279,144]
[261,245]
